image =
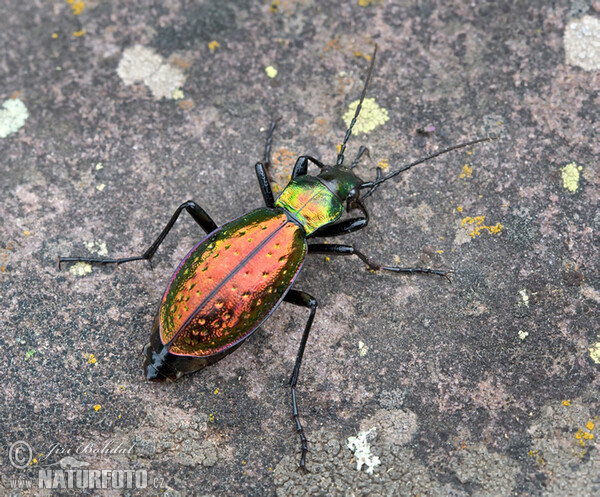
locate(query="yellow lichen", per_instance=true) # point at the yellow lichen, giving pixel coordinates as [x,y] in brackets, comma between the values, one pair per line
[467,171]
[539,460]
[213,45]
[566,403]
[97,407]
[371,116]
[585,433]
[79,33]
[383,164]
[91,359]
[478,226]
[77,7]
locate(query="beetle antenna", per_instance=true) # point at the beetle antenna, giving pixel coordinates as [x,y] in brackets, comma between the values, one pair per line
[373,185]
[340,157]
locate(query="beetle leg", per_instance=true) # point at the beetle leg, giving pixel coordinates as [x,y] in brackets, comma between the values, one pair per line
[265,186]
[263,172]
[362,150]
[301,166]
[346,226]
[341,227]
[335,249]
[198,214]
[305,300]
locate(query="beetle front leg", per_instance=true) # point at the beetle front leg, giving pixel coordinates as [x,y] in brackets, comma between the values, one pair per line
[198,214]
[341,227]
[301,166]
[346,226]
[302,299]
[335,249]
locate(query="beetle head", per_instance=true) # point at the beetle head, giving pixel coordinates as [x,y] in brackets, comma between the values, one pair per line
[342,181]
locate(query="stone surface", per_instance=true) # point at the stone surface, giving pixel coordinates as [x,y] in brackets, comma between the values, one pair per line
[485,385]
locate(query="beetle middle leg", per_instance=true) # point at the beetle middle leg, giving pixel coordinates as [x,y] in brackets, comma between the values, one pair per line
[336,249]
[198,214]
[302,299]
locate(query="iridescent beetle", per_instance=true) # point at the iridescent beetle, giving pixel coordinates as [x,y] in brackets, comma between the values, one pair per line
[232,281]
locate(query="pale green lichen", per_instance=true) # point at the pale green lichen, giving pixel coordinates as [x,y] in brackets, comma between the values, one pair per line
[524,297]
[271,71]
[570,176]
[13,115]
[371,116]
[595,352]
[97,248]
[80,269]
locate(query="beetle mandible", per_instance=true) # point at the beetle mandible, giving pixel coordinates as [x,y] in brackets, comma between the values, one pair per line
[231,282]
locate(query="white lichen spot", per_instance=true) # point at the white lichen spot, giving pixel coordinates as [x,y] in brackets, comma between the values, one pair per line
[139,63]
[99,166]
[371,116]
[590,293]
[523,334]
[570,176]
[362,450]
[100,187]
[165,81]
[178,94]
[362,349]
[595,352]
[80,269]
[271,71]
[524,297]
[13,115]
[582,43]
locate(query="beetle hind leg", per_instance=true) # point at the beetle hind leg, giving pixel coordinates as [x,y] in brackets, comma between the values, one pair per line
[198,214]
[335,249]
[302,299]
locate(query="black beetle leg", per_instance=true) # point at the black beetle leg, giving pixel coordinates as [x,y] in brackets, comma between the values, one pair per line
[263,168]
[265,186]
[335,249]
[198,214]
[346,226]
[301,166]
[362,150]
[302,299]
[341,227]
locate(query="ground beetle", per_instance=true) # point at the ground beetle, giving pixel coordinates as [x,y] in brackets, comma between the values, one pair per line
[233,280]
